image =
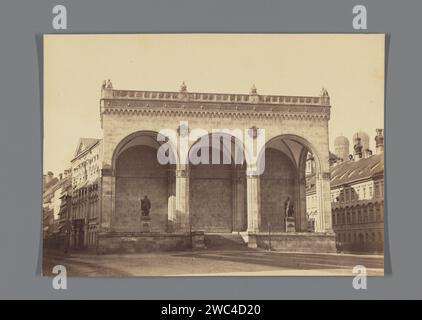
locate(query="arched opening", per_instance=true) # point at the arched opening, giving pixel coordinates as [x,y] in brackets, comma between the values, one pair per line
[138,174]
[290,161]
[217,197]
[278,183]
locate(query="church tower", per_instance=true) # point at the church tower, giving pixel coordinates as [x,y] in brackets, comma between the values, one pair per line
[341,147]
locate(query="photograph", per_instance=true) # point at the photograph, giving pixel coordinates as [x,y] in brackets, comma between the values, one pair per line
[213,154]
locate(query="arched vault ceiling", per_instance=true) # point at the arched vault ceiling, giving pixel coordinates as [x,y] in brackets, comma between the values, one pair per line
[295,149]
[289,147]
[143,140]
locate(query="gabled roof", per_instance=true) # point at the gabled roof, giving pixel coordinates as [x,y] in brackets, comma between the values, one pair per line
[56,184]
[351,171]
[51,183]
[333,157]
[85,144]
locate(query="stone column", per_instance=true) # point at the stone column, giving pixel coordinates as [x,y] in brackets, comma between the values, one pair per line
[323,191]
[301,218]
[182,199]
[238,200]
[254,202]
[304,217]
[300,204]
[107,200]
[171,202]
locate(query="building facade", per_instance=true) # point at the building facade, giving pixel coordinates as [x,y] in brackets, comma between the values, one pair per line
[54,189]
[225,197]
[85,194]
[357,199]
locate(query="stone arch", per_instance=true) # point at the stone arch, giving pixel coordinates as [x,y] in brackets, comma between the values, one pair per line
[297,148]
[217,197]
[131,138]
[138,173]
[298,139]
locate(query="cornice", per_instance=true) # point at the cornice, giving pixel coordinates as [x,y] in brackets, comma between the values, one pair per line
[214,110]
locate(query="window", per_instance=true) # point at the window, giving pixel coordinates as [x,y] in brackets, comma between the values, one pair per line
[371,214]
[365,215]
[378,213]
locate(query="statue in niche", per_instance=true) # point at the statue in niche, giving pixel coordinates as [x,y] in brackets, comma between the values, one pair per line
[288,208]
[145,207]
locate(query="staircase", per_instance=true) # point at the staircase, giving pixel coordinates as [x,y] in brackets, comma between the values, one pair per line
[224,241]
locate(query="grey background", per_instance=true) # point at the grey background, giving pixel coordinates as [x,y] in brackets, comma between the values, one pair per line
[23,22]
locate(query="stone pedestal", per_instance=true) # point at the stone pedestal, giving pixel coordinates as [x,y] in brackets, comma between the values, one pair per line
[145,224]
[294,242]
[289,223]
[132,242]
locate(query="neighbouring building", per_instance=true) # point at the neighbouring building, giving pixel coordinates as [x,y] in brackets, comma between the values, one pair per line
[53,188]
[85,191]
[357,198]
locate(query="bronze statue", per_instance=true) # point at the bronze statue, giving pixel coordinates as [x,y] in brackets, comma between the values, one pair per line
[145,206]
[288,208]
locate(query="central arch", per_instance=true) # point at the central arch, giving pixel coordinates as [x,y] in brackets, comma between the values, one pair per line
[217,201]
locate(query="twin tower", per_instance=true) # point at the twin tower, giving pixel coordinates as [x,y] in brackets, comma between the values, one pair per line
[360,145]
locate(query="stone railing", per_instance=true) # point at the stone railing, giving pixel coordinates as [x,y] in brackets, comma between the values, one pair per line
[214,97]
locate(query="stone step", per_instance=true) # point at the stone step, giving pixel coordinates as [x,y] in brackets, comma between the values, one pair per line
[224,241]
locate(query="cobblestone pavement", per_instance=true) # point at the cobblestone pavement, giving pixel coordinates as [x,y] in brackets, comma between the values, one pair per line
[203,263]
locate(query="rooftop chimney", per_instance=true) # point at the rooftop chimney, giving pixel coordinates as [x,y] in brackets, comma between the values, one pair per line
[379,141]
[367,153]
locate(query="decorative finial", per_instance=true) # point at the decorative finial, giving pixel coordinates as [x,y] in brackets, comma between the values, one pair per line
[183,87]
[253,90]
[324,92]
[109,85]
[103,86]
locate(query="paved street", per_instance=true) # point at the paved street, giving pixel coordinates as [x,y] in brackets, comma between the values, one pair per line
[205,263]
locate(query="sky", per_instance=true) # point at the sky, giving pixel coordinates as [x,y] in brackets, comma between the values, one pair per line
[350,66]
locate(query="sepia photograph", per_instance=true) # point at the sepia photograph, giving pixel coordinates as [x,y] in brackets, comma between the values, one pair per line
[213,154]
